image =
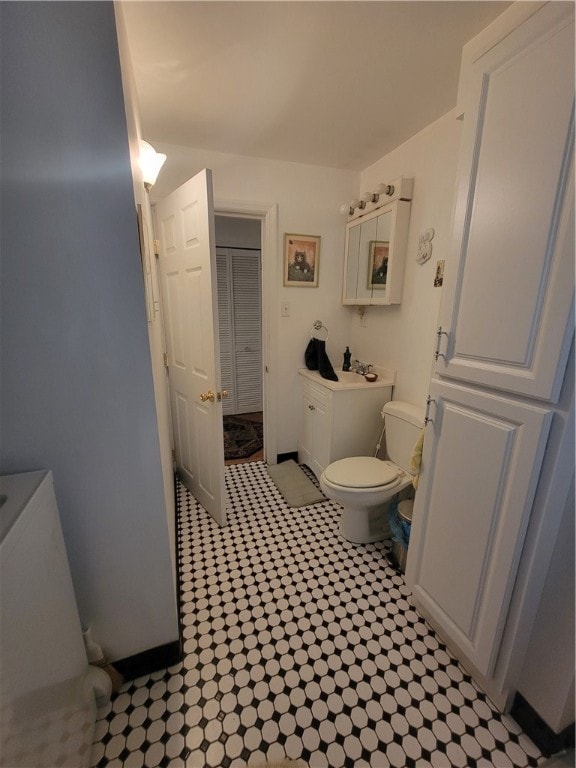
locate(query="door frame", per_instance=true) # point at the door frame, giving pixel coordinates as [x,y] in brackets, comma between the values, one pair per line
[268,215]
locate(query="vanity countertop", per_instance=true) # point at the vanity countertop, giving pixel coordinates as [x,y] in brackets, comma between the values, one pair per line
[351,379]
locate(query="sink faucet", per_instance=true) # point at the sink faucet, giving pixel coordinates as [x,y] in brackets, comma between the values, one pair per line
[361,368]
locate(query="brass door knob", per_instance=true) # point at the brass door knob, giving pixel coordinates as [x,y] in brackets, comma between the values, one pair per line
[222,395]
[207,396]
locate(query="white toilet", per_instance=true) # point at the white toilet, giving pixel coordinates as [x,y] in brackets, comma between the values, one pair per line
[364,485]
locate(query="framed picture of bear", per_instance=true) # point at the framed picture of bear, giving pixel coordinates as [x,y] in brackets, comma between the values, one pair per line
[378,264]
[301,260]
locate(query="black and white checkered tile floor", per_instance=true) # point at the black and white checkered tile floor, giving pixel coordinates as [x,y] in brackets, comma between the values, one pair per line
[301,646]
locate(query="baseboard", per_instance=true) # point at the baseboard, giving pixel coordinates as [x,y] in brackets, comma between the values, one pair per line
[150,661]
[287,456]
[548,741]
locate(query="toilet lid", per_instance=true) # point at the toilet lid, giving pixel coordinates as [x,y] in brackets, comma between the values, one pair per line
[361,472]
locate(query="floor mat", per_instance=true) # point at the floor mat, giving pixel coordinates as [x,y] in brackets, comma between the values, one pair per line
[297,489]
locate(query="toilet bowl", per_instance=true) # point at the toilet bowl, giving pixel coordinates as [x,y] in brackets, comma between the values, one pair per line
[364,486]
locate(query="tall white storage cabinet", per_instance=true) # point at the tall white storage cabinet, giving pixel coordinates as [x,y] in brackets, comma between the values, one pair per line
[505,330]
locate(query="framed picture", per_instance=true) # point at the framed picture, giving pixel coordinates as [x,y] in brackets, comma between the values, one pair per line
[378,264]
[301,260]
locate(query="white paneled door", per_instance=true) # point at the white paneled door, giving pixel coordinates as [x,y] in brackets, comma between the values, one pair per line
[483,452]
[511,276]
[185,228]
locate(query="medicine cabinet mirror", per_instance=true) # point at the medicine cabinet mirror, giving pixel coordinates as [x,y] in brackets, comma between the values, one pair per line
[375,255]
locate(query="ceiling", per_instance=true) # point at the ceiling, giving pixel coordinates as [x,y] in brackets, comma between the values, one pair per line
[337,84]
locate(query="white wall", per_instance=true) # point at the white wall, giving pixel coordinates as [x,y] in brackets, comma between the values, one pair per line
[538,645]
[155,327]
[237,233]
[403,336]
[308,199]
[547,679]
[77,393]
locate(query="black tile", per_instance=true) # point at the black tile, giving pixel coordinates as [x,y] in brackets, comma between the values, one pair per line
[281,616]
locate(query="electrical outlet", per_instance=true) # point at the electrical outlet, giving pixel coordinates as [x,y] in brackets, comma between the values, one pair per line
[285,309]
[364,319]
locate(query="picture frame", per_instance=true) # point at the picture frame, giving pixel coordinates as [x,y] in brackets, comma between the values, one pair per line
[301,260]
[378,255]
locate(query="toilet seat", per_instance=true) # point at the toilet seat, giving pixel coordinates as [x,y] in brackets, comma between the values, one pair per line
[362,472]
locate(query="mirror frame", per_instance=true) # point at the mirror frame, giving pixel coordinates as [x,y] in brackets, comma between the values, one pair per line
[392,293]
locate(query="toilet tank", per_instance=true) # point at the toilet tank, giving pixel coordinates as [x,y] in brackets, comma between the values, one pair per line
[403,422]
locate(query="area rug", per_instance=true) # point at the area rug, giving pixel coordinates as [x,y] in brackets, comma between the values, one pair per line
[242,437]
[296,488]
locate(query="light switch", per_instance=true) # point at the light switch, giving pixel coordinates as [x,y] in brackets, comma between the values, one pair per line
[285,309]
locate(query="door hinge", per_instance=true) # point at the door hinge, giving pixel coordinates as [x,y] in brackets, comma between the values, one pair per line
[165,358]
[156,248]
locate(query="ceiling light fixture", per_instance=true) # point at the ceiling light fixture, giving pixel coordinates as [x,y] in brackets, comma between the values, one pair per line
[385,189]
[368,197]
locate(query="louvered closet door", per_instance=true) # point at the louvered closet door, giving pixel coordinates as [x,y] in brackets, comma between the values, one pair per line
[226,328]
[239,302]
[247,330]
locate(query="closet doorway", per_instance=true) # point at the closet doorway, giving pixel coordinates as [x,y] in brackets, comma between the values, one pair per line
[239,283]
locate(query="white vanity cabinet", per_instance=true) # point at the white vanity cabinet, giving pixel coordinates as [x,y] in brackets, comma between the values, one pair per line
[340,418]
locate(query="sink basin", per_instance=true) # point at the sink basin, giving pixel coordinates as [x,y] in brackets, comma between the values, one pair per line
[351,379]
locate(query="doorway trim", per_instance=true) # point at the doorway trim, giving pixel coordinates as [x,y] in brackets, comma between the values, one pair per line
[268,215]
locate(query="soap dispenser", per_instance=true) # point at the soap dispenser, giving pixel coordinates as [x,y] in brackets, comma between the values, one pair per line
[347,356]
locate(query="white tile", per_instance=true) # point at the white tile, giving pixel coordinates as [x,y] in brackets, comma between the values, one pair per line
[298,643]
[154,754]
[115,746]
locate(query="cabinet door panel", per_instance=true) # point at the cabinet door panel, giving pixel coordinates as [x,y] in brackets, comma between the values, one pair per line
[513,244]
[306,438]
[481,463]
[322,438]
[314,444]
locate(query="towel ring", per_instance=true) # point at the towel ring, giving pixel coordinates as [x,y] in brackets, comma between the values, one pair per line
[316,328]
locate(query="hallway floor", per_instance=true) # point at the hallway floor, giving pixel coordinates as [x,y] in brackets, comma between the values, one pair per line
[299,645]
